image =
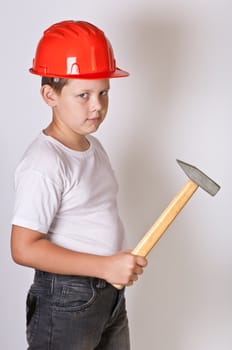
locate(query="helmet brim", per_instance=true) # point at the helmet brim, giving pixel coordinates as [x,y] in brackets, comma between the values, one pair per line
[118,73]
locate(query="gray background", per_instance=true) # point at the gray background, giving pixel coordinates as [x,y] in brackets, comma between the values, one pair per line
[176,104]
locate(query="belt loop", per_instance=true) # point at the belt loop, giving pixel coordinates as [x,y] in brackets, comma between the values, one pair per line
[53,283]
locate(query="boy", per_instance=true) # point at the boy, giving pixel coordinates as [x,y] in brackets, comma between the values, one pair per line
[66,224]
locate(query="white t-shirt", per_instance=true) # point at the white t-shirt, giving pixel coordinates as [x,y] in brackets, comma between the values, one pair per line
[70,195]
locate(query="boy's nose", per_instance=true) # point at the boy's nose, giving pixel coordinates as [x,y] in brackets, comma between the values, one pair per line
[96,104]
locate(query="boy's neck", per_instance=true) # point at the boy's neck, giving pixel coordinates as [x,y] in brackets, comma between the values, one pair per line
[76,142]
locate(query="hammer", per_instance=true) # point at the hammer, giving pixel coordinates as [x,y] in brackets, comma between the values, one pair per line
[196,179]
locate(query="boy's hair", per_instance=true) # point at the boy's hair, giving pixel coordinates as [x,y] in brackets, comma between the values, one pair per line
[56,83]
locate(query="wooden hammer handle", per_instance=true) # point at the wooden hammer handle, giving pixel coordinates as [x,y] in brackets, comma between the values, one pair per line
[163,222]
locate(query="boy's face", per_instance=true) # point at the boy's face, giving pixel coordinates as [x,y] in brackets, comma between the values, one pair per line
[81,106]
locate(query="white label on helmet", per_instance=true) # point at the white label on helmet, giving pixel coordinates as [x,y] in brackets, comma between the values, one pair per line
[72,66]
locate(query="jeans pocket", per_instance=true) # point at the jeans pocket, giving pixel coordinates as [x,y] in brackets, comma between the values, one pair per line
[32,316]
[76,297]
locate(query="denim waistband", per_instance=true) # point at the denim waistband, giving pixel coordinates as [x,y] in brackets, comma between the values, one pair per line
[47,277]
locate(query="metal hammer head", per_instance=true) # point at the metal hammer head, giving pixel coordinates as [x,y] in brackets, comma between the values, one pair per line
[199,178]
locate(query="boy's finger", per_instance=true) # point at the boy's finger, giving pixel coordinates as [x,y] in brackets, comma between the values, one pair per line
[141,261]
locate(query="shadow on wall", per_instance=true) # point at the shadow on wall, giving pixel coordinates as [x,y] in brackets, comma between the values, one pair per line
[150,177]
[157,49]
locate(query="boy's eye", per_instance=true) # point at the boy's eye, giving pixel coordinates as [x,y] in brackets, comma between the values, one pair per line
[104,93]
[84,95]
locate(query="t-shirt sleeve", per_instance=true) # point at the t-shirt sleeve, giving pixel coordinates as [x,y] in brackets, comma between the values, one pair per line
[37,200]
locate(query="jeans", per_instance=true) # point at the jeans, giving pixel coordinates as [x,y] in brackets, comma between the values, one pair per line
[75,313]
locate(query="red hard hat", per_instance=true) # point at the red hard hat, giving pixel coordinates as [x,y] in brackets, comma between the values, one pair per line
[75,49]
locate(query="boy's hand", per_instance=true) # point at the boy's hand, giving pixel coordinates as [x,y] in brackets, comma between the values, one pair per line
[124,268]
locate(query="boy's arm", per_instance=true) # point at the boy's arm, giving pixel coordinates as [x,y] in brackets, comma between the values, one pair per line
[31,248]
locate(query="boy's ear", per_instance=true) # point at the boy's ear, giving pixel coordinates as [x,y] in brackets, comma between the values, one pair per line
[49,95]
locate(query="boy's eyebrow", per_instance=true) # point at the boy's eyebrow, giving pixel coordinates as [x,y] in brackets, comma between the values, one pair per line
[92,90]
